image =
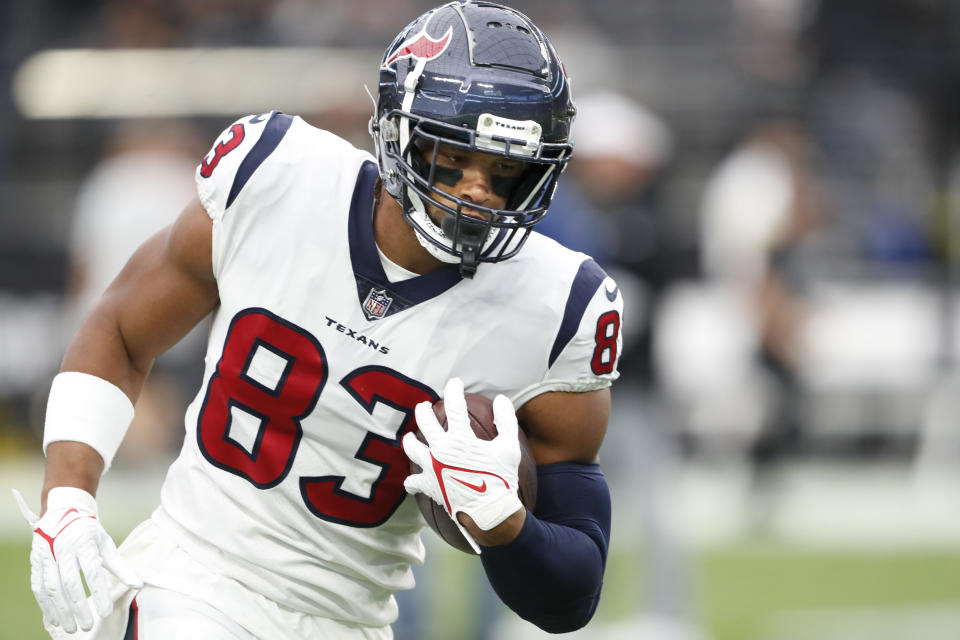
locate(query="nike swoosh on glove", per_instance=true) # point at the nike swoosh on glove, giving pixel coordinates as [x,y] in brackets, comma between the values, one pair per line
[462,472]
[69,541]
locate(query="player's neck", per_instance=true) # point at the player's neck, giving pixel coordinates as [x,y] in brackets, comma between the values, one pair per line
[397,240]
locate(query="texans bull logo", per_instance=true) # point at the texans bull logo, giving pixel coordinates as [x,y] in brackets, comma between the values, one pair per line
[421,47]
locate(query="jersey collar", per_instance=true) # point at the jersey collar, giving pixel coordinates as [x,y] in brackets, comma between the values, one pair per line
[367,268]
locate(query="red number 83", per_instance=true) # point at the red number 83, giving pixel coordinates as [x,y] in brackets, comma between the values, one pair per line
[238,389]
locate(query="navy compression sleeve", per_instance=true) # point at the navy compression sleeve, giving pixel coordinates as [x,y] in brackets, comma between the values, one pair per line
[552,572]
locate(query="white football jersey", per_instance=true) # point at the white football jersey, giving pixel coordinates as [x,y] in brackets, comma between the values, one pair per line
[290,480]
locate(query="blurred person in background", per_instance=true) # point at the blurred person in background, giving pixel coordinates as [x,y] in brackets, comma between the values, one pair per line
[761,206]
[345,288]
[144,179]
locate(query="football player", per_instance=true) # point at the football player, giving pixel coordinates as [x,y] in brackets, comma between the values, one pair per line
[348,292]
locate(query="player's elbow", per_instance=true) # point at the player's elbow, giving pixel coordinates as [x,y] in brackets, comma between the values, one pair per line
[569,617]
[555,599]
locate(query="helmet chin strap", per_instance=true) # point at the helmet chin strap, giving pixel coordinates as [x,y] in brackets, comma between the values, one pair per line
[472,238]
[416,216]
[470,248]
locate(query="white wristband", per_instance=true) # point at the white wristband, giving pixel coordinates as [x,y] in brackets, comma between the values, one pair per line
[85,408]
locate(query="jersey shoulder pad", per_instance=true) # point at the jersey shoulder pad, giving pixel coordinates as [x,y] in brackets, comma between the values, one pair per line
[236,154]
[588,339]
[585,340]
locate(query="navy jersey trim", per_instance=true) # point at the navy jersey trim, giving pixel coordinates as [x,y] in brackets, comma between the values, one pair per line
[273,133]
[367,268]
[132,622]
[363,252]
[585,284]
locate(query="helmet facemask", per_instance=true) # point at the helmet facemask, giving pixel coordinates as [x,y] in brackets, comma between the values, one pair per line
[467,233]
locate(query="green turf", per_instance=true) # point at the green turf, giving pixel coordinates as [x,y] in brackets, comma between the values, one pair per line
[18,609]
[741,591]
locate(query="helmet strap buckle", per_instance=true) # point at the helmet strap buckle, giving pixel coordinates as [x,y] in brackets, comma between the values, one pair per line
[470,251]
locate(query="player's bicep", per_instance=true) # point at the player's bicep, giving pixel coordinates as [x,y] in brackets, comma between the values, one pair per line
[566,427]
[166,287]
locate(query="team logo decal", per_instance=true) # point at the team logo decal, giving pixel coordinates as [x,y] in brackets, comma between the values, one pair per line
[422,47]
[376,304]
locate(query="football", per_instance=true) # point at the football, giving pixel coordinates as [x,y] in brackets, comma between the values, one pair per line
[480,410]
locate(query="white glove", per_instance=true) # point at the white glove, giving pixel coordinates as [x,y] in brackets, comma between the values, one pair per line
[461,472]
[69,540]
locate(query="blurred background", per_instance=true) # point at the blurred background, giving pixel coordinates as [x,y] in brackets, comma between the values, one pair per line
[775,184]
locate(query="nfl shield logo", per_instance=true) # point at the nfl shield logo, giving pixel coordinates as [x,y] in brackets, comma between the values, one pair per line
[376,304]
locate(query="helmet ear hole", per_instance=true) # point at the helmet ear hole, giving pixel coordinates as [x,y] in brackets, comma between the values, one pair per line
[388,129]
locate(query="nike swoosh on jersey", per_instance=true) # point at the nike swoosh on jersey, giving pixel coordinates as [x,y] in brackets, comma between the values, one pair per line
[611,295]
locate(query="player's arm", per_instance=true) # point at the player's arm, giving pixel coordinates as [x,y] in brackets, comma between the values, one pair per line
[548,565]
[560,427]
[165,289]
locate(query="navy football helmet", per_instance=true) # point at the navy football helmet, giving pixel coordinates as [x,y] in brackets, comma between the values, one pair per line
[480,77]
